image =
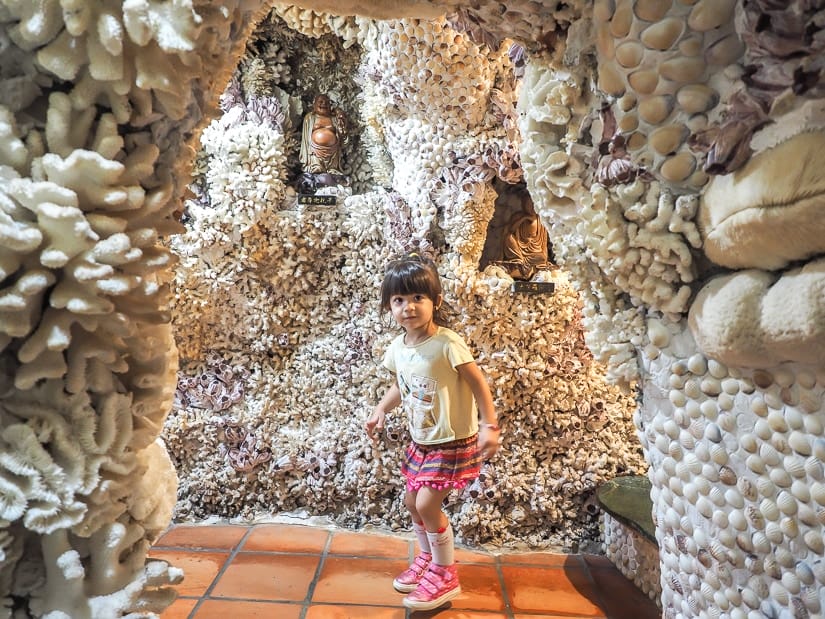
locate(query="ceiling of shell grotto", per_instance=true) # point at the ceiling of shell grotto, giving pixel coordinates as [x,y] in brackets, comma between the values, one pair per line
[623,198]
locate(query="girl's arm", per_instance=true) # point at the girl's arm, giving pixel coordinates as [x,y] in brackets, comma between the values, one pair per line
[488,432]
[375,422]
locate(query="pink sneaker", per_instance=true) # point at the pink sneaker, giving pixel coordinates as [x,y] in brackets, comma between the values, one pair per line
[438,586]
[408,580]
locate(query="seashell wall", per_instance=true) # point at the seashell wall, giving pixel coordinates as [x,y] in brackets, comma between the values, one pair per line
[669,148]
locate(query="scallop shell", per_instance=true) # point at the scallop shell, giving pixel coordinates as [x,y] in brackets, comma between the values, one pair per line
[813,540]
[786,503]
[814,468]
[791,582]
[780,477]
[789,527]
[769,509]
[800,443]
[766,487]
[755,464]
[774,533]
[769,454]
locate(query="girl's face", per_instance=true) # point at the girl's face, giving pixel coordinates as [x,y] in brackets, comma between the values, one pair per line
[414,312]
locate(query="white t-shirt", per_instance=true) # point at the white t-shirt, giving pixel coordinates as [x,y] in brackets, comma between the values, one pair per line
[439,405]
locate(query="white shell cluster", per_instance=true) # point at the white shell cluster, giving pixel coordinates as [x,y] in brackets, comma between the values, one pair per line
[737,469]
[636,556]
[92,124]
[659,60]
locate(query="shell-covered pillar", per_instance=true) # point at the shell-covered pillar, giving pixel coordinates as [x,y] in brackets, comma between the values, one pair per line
[99,106]
[680,176]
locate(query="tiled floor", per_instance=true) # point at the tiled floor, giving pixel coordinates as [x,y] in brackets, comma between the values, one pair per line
[292,571]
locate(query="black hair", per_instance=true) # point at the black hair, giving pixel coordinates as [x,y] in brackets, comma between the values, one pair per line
[415,274]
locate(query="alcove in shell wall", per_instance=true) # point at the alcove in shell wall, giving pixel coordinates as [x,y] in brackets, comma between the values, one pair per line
[276,311]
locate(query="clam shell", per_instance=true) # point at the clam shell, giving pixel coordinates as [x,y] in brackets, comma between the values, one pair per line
[755,464]
[759,407]
[707,15]
[780,477]
[800,443]
[786,503]
[804,573]
[737,520]
[654,110]
[716,369]
[791,582]
[727,475]
[807,515]
[683,70]
[813,468]
[696,99]
[622,20]
[697,364]
[762,379]
[766,487]
[813,540]
[789,527]
[801,491]
[769,509]
[817,489]
[747,488]
[769,454]
[677,168]
[774,533]
[730,386]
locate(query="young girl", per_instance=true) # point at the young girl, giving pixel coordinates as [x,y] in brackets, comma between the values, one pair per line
[442,392]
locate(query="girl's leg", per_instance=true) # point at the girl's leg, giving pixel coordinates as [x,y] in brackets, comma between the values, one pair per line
[418,524]
[439,532]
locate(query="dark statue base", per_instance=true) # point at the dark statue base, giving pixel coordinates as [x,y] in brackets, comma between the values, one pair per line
[309,183]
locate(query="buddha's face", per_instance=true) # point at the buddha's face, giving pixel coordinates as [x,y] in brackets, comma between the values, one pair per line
[322,104]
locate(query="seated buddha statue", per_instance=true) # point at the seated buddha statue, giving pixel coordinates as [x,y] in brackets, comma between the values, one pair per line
[322,138]
[525,246]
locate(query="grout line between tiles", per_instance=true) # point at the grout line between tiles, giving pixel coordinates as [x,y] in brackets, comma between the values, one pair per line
[505,596]
[321,561]
[232,554]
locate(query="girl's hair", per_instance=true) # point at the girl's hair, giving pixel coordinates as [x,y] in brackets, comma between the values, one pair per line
[414,274]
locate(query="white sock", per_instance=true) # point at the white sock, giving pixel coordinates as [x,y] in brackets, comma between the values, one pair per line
[421,534]
[443,546]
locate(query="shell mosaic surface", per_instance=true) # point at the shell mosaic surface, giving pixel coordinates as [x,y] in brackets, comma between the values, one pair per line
[217,342]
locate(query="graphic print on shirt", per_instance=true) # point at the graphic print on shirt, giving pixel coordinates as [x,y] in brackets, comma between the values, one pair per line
[419,394]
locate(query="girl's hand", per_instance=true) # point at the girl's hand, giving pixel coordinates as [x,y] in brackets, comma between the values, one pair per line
[488,440]
[374,425]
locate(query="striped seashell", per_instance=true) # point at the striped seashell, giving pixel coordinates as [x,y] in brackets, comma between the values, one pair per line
[765,487]
[805,573]
[800,611]
[789,527]
[800,443]
[813,540]
[814,468]
[769,454]
[810,598]
[784,557]
[791,582]
[794,465]
[786,503]
[718,454]
[774,532]
[780,477]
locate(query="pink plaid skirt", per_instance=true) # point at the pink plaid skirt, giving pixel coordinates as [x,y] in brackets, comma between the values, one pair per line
[442,466]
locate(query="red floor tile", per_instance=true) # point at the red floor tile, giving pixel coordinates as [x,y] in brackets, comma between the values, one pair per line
[447,612]
[551,590]
[286,538]
[203,536]
[465,555]
[179,609]
[324,611]
[480,588]
[267,577]
[199,568]
[359,581]
[369,545]
[242,609]
[545,559]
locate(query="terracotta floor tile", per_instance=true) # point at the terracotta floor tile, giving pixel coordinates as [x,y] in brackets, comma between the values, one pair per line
[179,609]
[359,581]
[480,588]
[447,612]
[551,590]
[465,555]
[199,568]
[324,611]
[369,545]
[203,536]
[267,577]
[622,599]
[545,559]
[242,609]
[286,538]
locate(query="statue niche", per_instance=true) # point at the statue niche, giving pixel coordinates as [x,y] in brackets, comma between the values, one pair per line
[323,138]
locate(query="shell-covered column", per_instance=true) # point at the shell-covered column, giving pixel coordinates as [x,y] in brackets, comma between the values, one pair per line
[99,106]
